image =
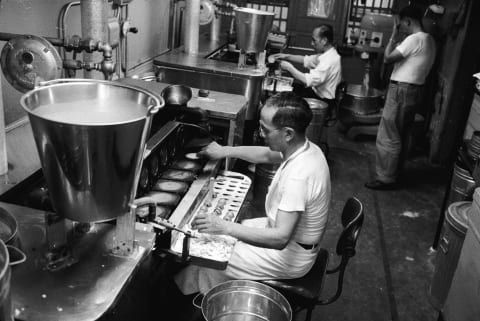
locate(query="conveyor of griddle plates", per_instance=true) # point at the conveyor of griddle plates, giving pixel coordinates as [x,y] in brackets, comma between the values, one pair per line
[224,197]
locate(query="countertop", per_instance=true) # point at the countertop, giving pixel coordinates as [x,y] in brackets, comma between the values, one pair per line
[217,104]
[83,291]
[177,57]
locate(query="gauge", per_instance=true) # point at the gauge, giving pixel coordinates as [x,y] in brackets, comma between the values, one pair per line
[153,167]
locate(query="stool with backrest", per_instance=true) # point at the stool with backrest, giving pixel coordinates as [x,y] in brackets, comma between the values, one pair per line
[304,293]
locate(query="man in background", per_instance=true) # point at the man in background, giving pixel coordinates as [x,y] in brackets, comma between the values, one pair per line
[325,70]
[412,58]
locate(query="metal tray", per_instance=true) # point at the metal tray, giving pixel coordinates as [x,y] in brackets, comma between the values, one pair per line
[224,198]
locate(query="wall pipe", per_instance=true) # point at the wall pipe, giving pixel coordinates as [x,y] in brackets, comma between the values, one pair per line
[94,26]
[61,24]
[6,36]
[216,23]
[192,26]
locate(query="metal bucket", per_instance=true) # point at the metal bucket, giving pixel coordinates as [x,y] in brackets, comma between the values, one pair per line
[462,185]
[453,236]
[90,136]
[252,28]
[6,311]
[263,178]
[358,103]
[319,110]
[245,300]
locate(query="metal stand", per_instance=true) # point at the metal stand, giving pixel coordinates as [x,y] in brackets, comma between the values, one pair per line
[59,254]
[242,59]
[81,292]
[260,57]
[124,242]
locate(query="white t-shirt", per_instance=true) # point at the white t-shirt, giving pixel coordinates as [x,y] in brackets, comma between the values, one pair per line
[325,73]
[418,50]
[302,183]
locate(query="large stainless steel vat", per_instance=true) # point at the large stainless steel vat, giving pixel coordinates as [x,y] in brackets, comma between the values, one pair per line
[6,310]
[360,105]
[319,111]
[245,300]
[90,135]
[252,28]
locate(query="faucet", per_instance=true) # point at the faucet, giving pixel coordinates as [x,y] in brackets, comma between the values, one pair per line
[106,66]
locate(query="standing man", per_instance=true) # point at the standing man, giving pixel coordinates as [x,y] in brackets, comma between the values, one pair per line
[413,59]
[325,69]
[284,244]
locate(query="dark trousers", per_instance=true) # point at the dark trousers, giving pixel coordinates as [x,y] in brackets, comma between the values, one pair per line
[307,92]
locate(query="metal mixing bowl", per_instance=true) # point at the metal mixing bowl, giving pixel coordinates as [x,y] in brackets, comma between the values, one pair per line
[177,94]
[245,300]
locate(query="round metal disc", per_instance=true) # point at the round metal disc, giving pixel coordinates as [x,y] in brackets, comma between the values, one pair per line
[28,58]
[207,12]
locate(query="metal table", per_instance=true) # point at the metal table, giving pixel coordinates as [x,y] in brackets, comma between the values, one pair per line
[85,290]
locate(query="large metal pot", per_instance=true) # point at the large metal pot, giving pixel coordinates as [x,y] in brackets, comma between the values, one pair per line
[359,104]
[8,226]
[6,310]
[90,135]
[245,300]
[252,28]
[319,114]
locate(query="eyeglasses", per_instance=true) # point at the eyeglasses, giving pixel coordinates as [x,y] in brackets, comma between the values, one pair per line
[265,131]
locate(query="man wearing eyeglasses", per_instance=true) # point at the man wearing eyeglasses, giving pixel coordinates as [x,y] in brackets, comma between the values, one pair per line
[324,67]
[285,243]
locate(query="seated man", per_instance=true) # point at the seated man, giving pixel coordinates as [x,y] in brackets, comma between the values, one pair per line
[325,69]
[285,243]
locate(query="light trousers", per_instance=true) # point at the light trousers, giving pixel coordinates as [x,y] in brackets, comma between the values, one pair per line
[397,119]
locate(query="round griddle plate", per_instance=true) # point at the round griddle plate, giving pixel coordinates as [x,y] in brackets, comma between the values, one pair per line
[28,58]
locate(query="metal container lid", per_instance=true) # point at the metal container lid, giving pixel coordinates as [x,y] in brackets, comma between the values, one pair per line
[316,103]
[361,91]
[27,58]
[457,216]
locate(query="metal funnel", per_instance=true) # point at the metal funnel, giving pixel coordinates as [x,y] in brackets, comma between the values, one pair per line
[252,28]
[90,135]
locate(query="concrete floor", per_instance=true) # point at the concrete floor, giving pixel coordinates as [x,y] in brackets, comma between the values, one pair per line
[389,278]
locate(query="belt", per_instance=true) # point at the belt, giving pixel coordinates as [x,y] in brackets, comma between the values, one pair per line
[308,246]
[404,83]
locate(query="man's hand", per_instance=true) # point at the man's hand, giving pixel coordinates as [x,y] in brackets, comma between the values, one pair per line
[212,151]
[210,223]
[277,56]
[285,65]
[396,27]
